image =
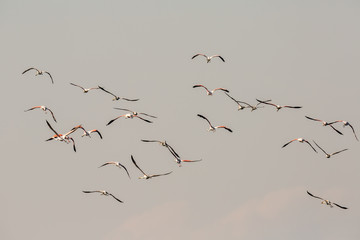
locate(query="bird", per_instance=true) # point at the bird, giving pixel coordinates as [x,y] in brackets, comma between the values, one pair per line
[240,107]
[105,193]
[39,72]
[44,108]
[86,90]
[63,137]
[116,97]
[278,107]
[327,154]
[145,175]
[178,159]
[208,59]
[346,123]
[135,113]
[87,133]
[212,128]
[210,93]
[162,143]
[327,202]
[128,115]
[302,140]
[324,123]
[117,164]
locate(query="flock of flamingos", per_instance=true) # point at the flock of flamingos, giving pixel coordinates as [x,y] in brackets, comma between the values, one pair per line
[143,116]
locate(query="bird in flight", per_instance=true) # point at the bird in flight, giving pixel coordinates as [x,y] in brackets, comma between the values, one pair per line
[86,90]
[145,175]
[324,123]
[327,202]
[116,97]
[44,108]
[346,123]
[302,140]
[327,154]
[278,107]
[208,59]
[240,107]
[105,193]
[87,133]
[135,113]
[210,93]
[39,72]
[63,137]
[212,128]
[178,159]
[117,164]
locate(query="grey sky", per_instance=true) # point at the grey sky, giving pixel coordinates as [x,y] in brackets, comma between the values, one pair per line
[247,187]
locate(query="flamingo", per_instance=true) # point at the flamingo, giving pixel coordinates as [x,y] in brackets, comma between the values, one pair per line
[128,115]
[63,137]
[208,59]
[44,108]
[87,133]
[86,90]
[278,107]
[210,93]
[116,97]
[39,72]
[327,154]
[135,113]
[178,160]
[145,175]
[105,193]
[302,140]
[253,107]
[346,123]
[117,164]
[324,123]
[212,128]
[240,107]
[327,202]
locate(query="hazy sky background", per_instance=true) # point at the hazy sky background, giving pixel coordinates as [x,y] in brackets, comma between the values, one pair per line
[247,187]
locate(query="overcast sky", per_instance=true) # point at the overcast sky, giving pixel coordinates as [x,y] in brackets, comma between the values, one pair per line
[303,53]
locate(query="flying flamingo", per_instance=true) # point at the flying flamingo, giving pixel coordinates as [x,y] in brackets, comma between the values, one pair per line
[117,164]
[302,140]
[39,72]
[128,115]
[210,93]
[346,123]
[178,160]
[212,128]
[44,108]
[327,154]
[87,133]
[63,137]
[86,90]
[324,123]
[105,193]
[278,107]
[208,59]
[116,97]
[327,202]
[145,175]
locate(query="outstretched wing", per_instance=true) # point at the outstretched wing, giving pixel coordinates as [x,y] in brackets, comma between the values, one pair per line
[199,54]
[95,130]
[107,91]
[148,121]
[32,108]
[52,128]
[353,131]
[314,196]
[158,175]
[222,89]
[92,191]
[224,128]
[314,119]
[130,100]
[339,206]
[30,69]
[320,148]
[114,120]
[335,129]
[107,163]
[288,143]
[310,145]
[199,115]
[133,160]
[148,115]
[199,85]
[77,86]
[52,114]
[52,80]
[115,198]
[292,106]
[218,57]
[339,151]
